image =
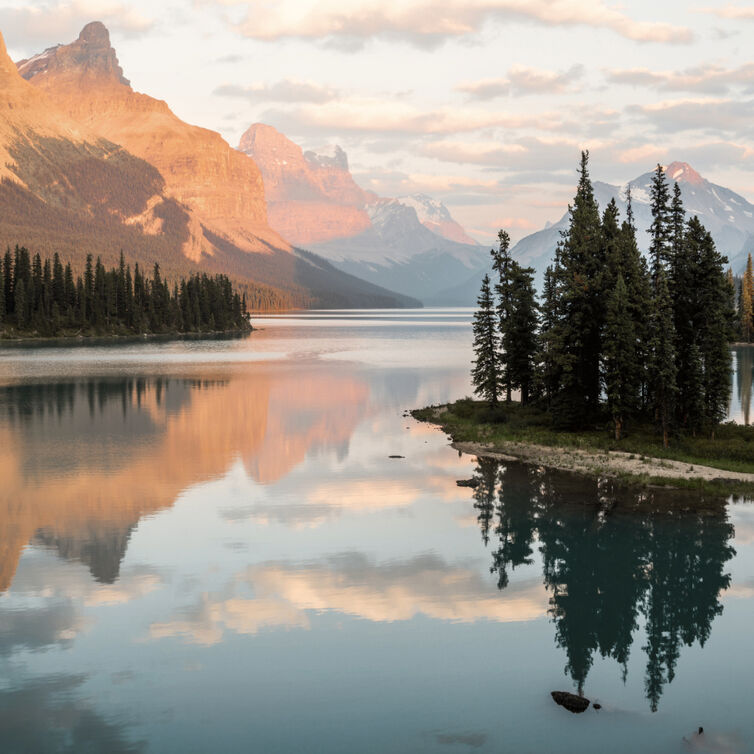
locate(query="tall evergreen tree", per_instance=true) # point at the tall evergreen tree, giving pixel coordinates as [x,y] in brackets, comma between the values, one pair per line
[714,325]
[676,234]
[662,368]
[502,264]
[581,304]
[621,383]
[548,337]
[519,341]
[659,230]
[486,373]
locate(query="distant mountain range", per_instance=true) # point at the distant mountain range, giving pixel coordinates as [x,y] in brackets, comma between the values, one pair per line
[90,166]
[727,215]
[411,244]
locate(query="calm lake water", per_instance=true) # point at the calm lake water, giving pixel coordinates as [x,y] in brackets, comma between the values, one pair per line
[205,547]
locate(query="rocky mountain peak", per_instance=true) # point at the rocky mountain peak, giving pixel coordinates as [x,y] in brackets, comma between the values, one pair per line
[6,64]
[334,157]
[91,53]
[95,34]
[261,136]
[682,172]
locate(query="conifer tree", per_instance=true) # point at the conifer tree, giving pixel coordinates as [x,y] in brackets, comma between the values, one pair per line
[662,369]
[659,230]
[501,263]
[621,383]
[519,341]
[581,302]
[548,343]
[676,233]
[486,373]
[714,324]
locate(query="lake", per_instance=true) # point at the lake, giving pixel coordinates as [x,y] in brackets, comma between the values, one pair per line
[205,546]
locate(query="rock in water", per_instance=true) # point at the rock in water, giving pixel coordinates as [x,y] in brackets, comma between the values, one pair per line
[571,702]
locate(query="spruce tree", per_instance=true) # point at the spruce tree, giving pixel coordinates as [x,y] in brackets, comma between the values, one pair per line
[676,234]
[662,367]
[501,263]
[519,341]
[581,304]
[485,374]
[714,325]
[548,337]
[621,384]
[659,230]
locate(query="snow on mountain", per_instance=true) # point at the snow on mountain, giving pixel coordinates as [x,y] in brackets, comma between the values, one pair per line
[410,245]
[727,215]
[435,216]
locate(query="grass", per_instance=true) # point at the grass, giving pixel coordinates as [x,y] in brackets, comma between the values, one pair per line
[474,421]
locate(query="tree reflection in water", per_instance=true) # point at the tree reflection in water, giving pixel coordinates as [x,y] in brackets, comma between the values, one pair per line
[610,555]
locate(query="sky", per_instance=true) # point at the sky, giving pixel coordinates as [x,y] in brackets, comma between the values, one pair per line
[483,104]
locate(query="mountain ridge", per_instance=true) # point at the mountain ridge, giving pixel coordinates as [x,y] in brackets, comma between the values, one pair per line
[130,175]
[727,215]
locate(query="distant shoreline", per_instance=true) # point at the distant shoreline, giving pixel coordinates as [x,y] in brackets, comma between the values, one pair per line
[94,339]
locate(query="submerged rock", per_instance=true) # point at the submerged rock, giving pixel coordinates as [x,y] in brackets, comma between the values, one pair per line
[571,702]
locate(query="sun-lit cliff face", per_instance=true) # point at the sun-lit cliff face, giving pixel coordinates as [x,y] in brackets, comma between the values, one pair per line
[128,449]
[221,187]
[310,198]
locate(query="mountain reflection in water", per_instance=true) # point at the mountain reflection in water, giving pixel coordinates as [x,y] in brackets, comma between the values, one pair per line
[610,555]
[83,461]
[207,548]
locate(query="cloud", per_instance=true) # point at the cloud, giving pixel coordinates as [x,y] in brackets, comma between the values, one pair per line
[730,11]
[287,90]
[48,23]
[355,585]
[714,115]
[429,23]
[379,116]
[528,154]
[38,628]
[522,81]
[709,79]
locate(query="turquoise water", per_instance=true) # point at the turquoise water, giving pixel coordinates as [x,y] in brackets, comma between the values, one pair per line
[205,547]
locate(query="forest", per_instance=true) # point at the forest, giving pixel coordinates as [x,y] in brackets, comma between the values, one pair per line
[41,298]
[615,338]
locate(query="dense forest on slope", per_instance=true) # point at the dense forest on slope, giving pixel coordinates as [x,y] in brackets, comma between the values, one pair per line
[41,298]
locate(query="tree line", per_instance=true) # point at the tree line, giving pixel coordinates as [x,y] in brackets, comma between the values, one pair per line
[615,336]
[42,298]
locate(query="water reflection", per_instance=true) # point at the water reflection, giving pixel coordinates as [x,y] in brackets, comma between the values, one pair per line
[84,461]
[610,556]
[42,715]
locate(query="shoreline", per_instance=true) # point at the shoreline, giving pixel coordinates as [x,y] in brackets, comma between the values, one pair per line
[85,340]
[625,466]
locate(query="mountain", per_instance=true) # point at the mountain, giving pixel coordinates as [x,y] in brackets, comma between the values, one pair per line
[727,215]
[207,208]
[310,198]
[435,216]
[411,245]
[65,188]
